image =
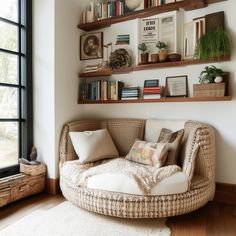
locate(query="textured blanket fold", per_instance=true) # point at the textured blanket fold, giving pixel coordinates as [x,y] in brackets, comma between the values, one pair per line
[145,176]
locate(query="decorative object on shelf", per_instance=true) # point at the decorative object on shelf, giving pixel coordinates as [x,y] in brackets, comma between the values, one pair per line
[149,32]
[120,58]
[134,5]
[91,46]
[214,82]
[144,55]
[108,48]
[210,74]
[162,51]
[154,57]
[214,44]
[174,57]
[177,86]
[130,93]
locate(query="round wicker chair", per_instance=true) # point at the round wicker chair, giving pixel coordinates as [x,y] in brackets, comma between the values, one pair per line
[201,173]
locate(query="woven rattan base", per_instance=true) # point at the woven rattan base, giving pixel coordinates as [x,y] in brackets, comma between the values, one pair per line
[136,206]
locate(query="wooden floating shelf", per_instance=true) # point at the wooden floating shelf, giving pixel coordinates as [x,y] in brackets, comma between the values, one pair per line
[186,5]
[162,100]
[109,72]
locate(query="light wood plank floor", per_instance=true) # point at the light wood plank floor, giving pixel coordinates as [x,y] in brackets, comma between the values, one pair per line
[211,220]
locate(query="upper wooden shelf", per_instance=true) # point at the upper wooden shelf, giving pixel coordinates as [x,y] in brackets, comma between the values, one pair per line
[109,72]
[186,5]
[161,100]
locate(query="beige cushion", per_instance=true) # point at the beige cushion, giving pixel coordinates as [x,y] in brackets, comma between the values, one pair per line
[93,145]
[153,154]
[174,140]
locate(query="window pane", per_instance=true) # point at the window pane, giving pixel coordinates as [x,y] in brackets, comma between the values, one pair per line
[8,68]
[8,144]
[8,102]
[9,9]
[8,36]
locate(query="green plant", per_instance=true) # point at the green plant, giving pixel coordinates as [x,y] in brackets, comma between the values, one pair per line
[209,73]
[213,44]
[142,47]
[161,45]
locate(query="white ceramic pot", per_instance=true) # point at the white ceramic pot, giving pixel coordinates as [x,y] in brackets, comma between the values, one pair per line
[218,79]
[133,4]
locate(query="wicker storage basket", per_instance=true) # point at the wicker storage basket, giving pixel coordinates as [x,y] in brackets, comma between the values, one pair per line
[209,90]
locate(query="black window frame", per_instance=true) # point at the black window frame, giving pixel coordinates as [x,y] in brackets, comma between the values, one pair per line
[25,88]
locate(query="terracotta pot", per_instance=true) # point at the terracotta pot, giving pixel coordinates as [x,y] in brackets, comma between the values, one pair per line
[163,55]
[144,58]
[155,58]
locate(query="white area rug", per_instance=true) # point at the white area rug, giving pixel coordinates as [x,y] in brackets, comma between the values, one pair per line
[69,220]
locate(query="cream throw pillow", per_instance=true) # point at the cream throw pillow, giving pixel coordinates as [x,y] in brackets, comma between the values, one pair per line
[153,154]
[174,140]
[93,145]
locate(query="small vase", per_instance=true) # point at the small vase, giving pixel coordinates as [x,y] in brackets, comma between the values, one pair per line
[144,58]
[163,55]
[218,79]
[155,58]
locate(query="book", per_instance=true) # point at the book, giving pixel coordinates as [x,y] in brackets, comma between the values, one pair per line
[151,83]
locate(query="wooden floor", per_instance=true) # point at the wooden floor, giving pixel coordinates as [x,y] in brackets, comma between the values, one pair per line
[211,220]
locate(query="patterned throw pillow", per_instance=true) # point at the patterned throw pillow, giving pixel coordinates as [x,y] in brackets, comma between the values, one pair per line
[153,154]
[173,140]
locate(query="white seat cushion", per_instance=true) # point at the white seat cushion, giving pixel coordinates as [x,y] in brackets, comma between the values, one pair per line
[177,183]
[153,128]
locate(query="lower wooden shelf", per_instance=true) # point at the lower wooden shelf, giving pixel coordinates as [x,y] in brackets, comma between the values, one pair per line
[162,100]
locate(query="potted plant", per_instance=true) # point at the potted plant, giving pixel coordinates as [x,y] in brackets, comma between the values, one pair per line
[144,55]
[211,74]
[162,51]
[213,44]
[211,83]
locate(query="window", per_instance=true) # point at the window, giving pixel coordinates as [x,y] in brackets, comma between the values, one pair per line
[15,83]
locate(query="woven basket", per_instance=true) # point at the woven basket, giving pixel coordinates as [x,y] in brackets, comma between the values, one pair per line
[209,90]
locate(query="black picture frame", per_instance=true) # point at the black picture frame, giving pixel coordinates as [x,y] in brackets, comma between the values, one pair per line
[177,86]
[91,46]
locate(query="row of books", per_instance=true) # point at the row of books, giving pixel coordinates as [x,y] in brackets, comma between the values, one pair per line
[103,10]
[99,10]
[115,90]
[101,90]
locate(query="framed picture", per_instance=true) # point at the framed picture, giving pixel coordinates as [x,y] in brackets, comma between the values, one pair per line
[91,46]
[177,86]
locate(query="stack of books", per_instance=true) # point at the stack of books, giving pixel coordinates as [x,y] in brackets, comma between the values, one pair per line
[151,89]
[101,90]
[92,68]
[130,93]
[123,39]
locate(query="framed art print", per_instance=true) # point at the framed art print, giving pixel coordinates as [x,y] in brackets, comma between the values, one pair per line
[91,46]
[177,86]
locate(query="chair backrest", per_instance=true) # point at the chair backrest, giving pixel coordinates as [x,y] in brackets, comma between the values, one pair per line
[123,132]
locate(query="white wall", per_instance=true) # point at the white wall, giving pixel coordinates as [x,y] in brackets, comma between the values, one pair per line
[43,83]
[56,44]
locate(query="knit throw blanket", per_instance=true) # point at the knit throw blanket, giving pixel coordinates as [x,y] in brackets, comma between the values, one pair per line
[145,176]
